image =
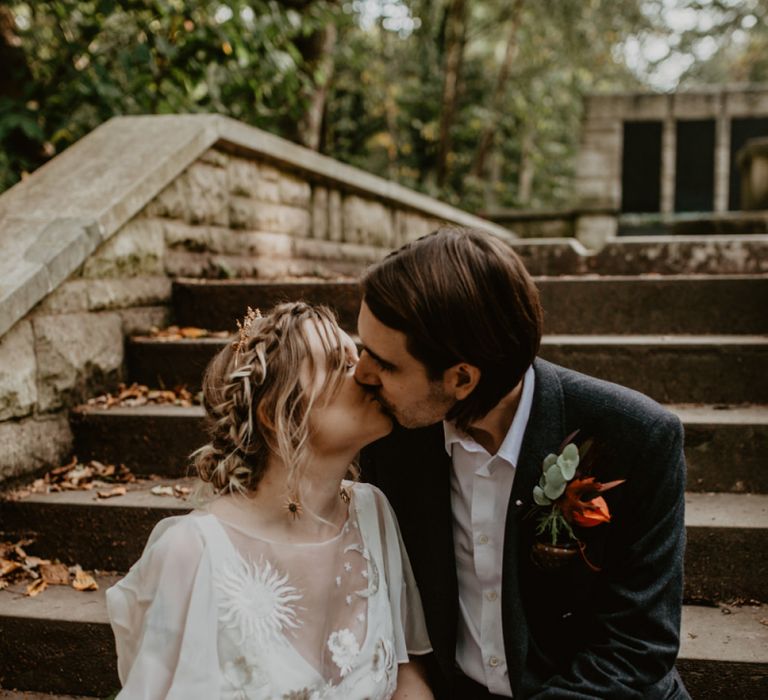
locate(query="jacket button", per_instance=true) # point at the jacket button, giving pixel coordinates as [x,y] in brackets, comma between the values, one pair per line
[493,662]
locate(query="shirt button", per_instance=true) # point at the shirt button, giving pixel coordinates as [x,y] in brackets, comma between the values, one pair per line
[492,595]
[483,539]
[493,662]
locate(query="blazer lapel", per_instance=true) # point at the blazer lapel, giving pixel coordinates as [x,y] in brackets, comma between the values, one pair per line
[543,434]
[423,505]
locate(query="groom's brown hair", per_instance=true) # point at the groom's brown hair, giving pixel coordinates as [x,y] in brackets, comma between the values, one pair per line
[461,295]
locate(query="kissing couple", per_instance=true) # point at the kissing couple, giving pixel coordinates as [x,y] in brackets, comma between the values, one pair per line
[440,513]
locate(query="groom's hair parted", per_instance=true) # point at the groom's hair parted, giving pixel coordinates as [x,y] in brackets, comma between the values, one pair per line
[461,295]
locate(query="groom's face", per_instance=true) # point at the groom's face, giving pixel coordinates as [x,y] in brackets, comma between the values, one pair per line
[396,378]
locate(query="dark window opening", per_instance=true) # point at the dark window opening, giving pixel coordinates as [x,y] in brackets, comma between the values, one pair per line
[641,168]
[695,165]
[741,131]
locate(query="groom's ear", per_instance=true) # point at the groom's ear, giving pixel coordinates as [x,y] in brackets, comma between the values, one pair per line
[460,380]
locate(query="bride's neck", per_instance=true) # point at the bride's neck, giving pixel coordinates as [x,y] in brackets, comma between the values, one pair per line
[321,510]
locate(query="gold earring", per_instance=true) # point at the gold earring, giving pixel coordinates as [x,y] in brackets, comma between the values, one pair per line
[293,507]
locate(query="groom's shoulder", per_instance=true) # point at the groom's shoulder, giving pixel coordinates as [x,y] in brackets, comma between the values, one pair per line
[606,401]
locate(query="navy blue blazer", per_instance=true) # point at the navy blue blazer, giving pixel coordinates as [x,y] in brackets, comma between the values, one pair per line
[571,633]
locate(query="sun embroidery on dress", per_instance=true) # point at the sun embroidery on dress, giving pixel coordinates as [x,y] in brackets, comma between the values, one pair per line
[344,648]
[257,601]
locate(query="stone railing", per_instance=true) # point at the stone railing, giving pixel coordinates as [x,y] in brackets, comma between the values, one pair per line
[92,241]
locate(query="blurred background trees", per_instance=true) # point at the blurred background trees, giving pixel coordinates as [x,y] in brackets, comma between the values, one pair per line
[477,102]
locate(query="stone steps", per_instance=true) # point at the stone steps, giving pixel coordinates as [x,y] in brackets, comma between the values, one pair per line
[58,642]
[573,305]
[697,344]
[147,439]
[671,368]
[105,534]
[159,439]
[668,368]
[725,558]
[72,629]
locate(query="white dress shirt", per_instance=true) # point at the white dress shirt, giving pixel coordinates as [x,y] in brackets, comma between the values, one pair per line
[480,487]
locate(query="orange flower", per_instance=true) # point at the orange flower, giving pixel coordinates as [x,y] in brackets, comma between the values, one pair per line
[591,513]
[581,505]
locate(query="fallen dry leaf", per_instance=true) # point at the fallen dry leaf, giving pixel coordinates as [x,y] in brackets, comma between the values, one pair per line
[36,587]
[116,491]
[8,567]
[55,574]
[141,395]
[34,562]
[193,332]
[764,621]
[161,490]
[84,581]
[189,332]
[181,491]
[76,477]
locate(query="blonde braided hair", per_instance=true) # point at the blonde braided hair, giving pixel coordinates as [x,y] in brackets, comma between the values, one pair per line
[256,402]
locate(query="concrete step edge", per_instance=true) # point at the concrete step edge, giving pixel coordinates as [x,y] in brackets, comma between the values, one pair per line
[747,511]
[689,414]
[703,510]
[706,342]
[707,634]
[649,278]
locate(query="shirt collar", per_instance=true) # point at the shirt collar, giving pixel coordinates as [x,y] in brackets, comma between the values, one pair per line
[510,447]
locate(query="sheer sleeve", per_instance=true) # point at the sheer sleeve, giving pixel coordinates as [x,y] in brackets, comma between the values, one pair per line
[164,617]
[410,627]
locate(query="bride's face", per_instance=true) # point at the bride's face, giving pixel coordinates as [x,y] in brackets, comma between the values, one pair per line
[346,417]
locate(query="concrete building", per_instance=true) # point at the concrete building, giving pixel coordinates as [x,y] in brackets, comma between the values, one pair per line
[648,159]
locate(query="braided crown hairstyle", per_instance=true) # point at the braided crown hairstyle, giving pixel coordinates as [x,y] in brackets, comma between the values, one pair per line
[258,398]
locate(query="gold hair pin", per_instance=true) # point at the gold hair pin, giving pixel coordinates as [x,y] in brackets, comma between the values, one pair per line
[244,328]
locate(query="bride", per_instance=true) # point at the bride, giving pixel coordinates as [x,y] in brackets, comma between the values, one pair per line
[290,582]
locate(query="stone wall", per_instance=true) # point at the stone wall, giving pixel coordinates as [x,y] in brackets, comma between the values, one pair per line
[225,215]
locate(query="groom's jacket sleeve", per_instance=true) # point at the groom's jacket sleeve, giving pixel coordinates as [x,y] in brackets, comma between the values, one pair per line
[632,638]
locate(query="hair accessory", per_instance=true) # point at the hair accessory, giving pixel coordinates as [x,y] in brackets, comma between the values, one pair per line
[294,508]
[244,328]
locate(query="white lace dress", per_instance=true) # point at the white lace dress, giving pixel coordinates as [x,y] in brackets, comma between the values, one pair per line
[211,610]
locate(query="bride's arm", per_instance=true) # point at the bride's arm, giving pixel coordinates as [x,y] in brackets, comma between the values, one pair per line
[412,682]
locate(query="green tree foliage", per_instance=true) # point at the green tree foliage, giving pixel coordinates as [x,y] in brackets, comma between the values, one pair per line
[731,44]
[564,48]
[478,102]
[69,65]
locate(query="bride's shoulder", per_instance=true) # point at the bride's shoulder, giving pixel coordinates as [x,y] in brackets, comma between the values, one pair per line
[178,539]
[368,496]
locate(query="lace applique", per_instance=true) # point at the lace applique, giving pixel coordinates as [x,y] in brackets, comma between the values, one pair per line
[383,659]
[303,694]
[257,601]
[344,648]
[373,577]
[243,679]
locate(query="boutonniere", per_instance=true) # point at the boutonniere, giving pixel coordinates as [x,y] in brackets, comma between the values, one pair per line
[567,499]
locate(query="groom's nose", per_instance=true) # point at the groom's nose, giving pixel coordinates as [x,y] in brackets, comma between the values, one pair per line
[366,372]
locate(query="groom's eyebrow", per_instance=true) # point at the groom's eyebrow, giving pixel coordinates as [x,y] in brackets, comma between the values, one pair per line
[378,358]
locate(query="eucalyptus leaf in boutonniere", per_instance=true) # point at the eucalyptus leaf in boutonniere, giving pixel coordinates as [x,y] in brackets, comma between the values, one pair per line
[567,499]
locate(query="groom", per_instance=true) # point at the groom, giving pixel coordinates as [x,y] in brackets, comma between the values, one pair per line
[450,327]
